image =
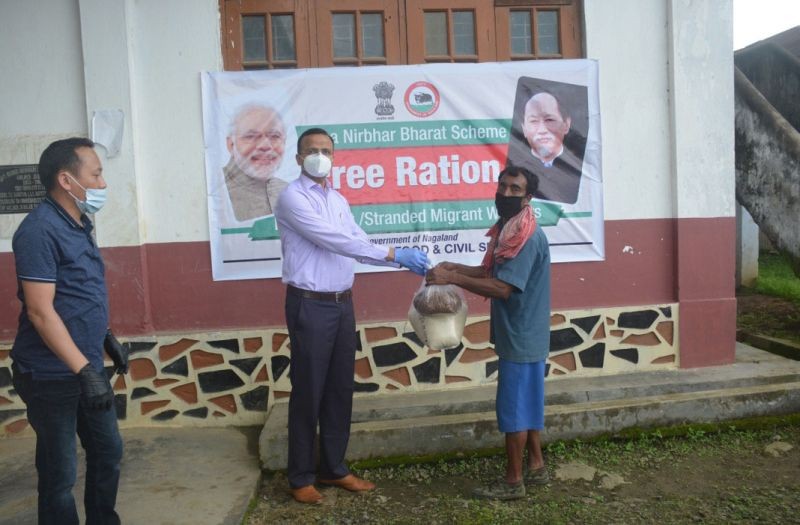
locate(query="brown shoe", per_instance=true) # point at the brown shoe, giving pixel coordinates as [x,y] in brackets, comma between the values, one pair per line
[350,482]
[307,494]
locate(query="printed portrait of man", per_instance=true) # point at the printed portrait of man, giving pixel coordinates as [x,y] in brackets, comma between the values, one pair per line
[256,142]
[548,136]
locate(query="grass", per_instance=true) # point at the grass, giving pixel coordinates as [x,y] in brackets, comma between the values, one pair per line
[772,307]
[775,277]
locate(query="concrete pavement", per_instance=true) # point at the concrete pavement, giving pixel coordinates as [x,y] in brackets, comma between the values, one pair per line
[204,476]
[170,476]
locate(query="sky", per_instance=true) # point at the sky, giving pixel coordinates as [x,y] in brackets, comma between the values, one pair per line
[754,20]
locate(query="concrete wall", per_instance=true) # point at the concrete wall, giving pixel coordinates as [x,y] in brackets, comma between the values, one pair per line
[768,143]
[634,83]
[747,247]
[42,88]
[170,154]
[42,103]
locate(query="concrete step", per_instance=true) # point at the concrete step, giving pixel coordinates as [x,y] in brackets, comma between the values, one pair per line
[436,422]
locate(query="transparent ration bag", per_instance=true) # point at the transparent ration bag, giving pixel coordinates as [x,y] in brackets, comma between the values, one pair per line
[438,314]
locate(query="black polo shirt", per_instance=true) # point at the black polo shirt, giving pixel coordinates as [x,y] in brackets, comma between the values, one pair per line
[50,247]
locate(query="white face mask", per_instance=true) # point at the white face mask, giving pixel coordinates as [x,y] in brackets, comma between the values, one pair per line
[95,198]
[317,165]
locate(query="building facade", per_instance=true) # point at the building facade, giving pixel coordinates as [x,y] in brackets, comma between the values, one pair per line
[208,352]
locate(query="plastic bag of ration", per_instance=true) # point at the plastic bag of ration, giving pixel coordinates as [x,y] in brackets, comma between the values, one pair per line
[438,314]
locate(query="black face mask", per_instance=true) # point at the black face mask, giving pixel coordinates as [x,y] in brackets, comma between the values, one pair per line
[507,207]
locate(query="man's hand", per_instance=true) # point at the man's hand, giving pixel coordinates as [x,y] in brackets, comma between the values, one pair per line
[96,391]
[411,258]
[448,265]
[441,274]
[117,353]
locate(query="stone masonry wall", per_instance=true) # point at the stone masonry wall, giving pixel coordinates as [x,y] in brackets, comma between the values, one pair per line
[231,378]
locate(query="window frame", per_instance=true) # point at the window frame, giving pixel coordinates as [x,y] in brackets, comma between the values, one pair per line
[570,28]
[232,12]
[403,30]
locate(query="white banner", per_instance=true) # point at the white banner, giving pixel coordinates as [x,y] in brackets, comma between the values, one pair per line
[417,153]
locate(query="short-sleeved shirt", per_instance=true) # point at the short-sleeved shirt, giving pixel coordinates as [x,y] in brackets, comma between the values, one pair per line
[50,247]
[520,325]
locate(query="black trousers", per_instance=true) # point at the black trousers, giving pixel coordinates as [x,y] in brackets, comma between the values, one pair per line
[323,345]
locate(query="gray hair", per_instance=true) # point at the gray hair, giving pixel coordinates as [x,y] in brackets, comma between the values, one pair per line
[247,108]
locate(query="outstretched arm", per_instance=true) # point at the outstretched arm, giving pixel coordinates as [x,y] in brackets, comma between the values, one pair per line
[471,278]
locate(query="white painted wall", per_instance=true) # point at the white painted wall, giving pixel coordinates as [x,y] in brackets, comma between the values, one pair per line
[105,39]
[702,113]
[628,38]
[664,155]
[42,90]
[172,43]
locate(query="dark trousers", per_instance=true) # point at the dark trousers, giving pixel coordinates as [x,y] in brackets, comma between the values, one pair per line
[56,416]
[323,346]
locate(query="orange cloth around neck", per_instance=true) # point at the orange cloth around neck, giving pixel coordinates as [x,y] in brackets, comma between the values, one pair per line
[506,242]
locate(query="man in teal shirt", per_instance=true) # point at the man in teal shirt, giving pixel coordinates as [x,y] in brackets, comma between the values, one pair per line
[515,274]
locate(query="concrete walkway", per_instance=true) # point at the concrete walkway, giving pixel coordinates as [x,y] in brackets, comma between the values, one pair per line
[170,476]
[202,476]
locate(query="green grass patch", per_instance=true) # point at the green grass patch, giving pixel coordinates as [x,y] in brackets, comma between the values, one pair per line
[775,277]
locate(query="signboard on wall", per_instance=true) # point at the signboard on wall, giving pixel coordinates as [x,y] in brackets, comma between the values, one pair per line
[20,189]
[418,150]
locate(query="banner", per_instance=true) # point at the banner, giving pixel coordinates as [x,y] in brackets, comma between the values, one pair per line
[418,150]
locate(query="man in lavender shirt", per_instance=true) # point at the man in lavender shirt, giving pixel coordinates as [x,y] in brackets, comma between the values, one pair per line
[320,242]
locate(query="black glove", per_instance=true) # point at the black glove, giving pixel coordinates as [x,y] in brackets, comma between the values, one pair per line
[96,391]
[117,352]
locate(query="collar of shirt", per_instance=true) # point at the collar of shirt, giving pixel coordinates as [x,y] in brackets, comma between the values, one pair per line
[310,184]
[548,164]
[87,223]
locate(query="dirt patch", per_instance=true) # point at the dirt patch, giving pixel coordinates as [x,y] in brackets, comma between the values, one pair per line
[767,315]
[720,477]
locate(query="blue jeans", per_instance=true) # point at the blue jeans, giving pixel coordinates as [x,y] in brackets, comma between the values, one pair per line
[55,413]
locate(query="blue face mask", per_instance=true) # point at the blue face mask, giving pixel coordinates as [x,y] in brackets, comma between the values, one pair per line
[95,198]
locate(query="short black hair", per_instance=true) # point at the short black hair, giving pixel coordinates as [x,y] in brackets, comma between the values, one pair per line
[58,156]
[312,131]
[531,180]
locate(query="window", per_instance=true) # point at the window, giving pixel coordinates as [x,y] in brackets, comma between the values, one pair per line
[446,45]
[263,35]
[547,33]
[357,38]
[356,32]
[464,33]
[269,34]
[268,41]
[535,29]
[541,42]
[521,40]
[449,31]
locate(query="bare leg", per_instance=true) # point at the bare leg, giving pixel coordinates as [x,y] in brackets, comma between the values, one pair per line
[515,446]
[534,445]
